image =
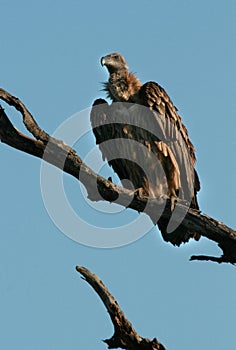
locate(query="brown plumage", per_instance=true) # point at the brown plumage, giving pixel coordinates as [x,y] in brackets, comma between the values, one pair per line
[148,143]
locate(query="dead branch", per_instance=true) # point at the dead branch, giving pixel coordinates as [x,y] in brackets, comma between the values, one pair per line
[125,336]
[59,154]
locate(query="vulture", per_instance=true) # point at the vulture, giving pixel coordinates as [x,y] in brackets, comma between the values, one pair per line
[144,140]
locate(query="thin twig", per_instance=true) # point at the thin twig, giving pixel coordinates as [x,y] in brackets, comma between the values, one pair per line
[219,260]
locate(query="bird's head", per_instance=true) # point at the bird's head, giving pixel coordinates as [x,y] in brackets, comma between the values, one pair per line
[114,62]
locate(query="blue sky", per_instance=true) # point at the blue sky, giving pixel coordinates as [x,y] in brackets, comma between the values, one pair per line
[50,53]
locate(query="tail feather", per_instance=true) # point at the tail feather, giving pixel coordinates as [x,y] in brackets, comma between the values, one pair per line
[178,236]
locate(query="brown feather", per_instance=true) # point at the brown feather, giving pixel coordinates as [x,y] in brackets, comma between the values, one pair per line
[159,156]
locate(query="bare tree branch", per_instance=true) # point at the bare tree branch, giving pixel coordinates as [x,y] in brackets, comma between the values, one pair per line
[218,259]
[125,336]
[64,157]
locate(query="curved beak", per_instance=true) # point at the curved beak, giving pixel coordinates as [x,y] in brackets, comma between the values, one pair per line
[103,61]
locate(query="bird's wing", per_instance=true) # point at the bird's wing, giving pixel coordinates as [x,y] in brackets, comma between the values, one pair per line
[175,135]
[155,97]
[109,129]
[146,146]
[133,143]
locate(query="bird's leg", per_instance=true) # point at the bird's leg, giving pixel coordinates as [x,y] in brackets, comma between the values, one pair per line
[173,200]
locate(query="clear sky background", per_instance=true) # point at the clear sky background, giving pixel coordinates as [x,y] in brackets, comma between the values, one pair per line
[50,58]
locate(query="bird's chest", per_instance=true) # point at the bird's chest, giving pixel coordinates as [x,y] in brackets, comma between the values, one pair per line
[118,90]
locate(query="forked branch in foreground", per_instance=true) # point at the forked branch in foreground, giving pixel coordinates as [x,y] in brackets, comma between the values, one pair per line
[124,336]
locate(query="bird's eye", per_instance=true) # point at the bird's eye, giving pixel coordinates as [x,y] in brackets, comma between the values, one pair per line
[116,57]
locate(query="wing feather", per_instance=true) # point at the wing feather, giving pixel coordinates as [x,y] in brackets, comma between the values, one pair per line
[175,135]
[151,92]
[150,147]
[137,151]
